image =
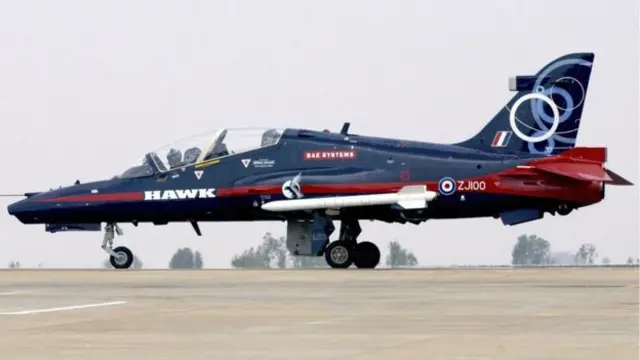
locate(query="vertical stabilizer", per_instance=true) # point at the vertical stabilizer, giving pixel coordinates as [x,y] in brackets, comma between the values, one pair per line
[545,114]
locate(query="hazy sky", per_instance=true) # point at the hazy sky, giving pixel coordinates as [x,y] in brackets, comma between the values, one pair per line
[88,87]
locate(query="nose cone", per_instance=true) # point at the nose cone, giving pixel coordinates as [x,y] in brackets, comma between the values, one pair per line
[21,210]
[17,207]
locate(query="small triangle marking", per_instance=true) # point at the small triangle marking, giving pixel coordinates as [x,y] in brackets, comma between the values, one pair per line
[198,174]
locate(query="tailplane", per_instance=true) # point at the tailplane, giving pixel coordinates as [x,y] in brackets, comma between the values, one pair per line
[545,115]
[582,164]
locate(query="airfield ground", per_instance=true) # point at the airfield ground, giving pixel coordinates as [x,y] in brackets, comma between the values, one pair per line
[319,314]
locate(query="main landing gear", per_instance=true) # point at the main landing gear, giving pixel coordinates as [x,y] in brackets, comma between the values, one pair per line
[120,257]
[346,251]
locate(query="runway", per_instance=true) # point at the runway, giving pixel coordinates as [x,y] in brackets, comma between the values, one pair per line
[320,314]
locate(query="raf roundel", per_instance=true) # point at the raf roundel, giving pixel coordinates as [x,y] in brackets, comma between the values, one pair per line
[447,186]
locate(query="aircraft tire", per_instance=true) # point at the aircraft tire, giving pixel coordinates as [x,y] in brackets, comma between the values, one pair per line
[127,260]
[367,255]
[339,254]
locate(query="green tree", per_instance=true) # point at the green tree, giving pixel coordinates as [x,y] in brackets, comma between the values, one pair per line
[269,254]
[606,261]
[586,254]
[399,256]
[249,259]
[531,250]
[198,262]
[309,262]
[185,258]
[14,265]
[562,258]
[137,263]
[273,253]
[629,260]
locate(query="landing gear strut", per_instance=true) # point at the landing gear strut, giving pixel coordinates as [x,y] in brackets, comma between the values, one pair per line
[120,257]
[346,251]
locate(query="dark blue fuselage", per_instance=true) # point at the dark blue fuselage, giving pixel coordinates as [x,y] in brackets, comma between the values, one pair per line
[476,177]
[330,164]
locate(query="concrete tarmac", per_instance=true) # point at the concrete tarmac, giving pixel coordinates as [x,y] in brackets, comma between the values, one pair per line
[320,314]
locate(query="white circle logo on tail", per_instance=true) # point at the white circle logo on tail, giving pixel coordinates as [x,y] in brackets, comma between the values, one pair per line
[447,186]
[543,137]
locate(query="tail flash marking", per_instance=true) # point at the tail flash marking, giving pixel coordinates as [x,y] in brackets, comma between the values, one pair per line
[501,139]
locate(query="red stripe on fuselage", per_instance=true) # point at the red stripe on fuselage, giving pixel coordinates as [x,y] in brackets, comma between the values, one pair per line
[107,197]
[514,182]
[319,189]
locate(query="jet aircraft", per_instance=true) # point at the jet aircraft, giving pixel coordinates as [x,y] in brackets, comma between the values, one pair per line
[521,165]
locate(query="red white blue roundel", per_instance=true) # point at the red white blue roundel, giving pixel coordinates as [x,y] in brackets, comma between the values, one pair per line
[447,186]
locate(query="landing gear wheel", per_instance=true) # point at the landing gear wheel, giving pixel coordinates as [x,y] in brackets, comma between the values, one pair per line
[339,254]
[367,255]
[564,210]
[123,258]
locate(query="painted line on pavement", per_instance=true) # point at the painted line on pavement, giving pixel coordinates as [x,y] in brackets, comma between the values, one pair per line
[64,308]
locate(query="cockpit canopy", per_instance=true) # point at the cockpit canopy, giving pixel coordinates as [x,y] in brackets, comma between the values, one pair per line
[204,147]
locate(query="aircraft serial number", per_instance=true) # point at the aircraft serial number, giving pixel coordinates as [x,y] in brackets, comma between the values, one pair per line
[471,185]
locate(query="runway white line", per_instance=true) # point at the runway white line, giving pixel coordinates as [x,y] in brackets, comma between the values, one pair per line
[320,322]
[64,308]
[290,326]
[7,293]
[16,292]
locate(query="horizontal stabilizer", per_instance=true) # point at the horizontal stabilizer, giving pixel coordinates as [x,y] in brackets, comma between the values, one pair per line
[617,179]
[577,171]
[409,197]
[582,164]
[597,154]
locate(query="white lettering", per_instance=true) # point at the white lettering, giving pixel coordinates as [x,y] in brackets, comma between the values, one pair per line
[180,194]
[169,195]
[329,155]
[152,195]
[471,185]
[187,194]
[263,163]
[207,193]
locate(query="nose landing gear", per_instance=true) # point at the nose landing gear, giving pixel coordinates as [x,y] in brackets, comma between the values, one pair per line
[120,257]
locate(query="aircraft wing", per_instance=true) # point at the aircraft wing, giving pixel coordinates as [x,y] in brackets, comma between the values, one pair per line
[409,198]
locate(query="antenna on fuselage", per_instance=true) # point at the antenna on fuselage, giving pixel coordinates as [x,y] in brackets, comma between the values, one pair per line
[345,128]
